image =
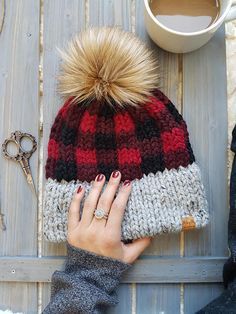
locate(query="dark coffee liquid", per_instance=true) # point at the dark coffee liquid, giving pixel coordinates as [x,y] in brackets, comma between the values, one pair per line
[186,16]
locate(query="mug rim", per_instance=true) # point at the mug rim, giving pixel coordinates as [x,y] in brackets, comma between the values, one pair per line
[218,21]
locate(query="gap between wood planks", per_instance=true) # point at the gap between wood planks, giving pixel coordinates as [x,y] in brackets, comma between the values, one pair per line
[40,165]
[40,197]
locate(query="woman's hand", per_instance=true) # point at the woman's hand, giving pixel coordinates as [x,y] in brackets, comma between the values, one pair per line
[103,236]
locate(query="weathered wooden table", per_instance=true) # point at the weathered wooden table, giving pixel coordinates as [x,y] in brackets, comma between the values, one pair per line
[178,273]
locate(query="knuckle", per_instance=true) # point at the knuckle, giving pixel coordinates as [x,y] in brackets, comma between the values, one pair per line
[110,240]
[103,202]
[128,259]
[108,243]
[125,191]
[74,205]
[76,197]
[92,196]
[97,185]
[116,206]
[112,183]
[73,208]
[88,203]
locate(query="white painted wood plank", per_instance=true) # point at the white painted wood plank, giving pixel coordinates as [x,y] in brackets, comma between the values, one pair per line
[110,13]
[199,295]
[152,300]
[124,292]
[62,20]
[205,110]
[19,111]
[145,269]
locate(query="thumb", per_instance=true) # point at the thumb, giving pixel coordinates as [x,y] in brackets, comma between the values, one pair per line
[135,248]
[73,212]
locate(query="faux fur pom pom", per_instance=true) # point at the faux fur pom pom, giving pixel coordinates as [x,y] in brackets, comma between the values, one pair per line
[107,64]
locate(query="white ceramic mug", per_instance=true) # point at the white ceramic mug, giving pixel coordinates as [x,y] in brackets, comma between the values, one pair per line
[180,42]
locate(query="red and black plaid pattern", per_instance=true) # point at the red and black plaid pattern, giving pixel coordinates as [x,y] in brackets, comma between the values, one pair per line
[89,139]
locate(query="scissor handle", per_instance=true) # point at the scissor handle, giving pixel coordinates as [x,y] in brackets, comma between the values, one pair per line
[16,138]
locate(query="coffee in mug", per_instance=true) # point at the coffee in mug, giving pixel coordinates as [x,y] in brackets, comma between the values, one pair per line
[186,15]
[186,39]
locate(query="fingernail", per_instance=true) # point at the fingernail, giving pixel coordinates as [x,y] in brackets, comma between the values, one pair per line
[127,182]
[79,189]
[99,177]
[115,174]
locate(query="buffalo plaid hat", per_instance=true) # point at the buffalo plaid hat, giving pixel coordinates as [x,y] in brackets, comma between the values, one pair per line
[114,117]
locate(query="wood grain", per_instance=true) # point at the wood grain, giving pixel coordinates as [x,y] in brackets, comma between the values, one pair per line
[19,111]
[2,14]
[205,111]
[62,20]
[178,273]
[144,270]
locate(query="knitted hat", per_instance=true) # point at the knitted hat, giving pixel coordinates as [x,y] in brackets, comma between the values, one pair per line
[115,118]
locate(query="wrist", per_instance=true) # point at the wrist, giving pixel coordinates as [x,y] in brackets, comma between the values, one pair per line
[88,259]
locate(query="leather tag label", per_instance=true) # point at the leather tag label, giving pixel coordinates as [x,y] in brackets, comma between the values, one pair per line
[188,223]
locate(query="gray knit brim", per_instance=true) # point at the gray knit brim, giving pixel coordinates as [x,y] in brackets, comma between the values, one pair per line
[157,204]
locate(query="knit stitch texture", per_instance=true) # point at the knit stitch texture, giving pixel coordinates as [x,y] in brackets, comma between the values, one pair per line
[103,128]
[149,145]
[86,285]
[157,204]
[87,140]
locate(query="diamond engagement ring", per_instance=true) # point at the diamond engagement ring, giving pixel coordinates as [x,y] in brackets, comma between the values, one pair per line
[100,213]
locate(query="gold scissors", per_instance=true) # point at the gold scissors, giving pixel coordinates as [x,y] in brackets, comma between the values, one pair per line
[22,156]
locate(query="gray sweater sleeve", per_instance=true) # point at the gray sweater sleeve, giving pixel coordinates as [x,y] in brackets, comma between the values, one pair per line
[86,285]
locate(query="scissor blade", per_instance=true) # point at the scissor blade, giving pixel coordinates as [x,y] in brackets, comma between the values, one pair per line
[27,172]
[31,183]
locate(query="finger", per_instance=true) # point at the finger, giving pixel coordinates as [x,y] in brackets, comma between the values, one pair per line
[91,201]
[107,197]
[74,210]
[118,207]
[137,247]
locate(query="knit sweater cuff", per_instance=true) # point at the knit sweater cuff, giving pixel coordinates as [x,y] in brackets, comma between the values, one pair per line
[87,285]
[78,257]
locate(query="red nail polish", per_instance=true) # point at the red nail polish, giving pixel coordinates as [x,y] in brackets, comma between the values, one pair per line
[79,189]
[115,174]
[99,177]
[127,182]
